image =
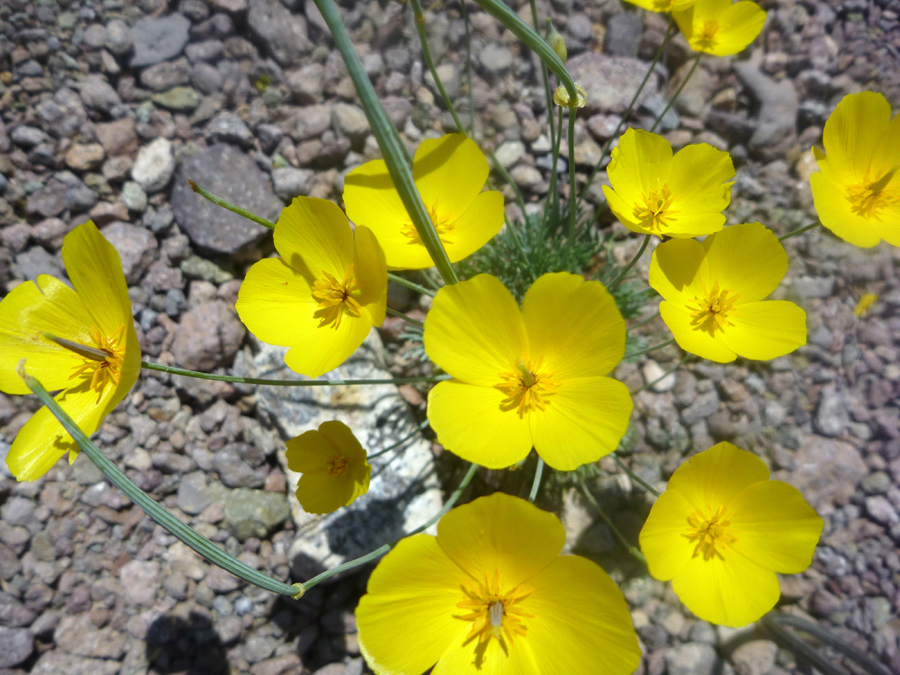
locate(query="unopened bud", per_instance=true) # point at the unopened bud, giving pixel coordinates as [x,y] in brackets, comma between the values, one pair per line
[561,97]
[556,42]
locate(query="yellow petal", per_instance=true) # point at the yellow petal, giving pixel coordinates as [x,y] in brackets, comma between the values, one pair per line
[469,422]
[775,527]
[700,181]
[406,619]
[319,492]
[730,592]
[835,213]
[573,326]
[308,452]
[317,351]
[714,477]
[371,271]
[765,330]
[678,270]
[694,340]
[583,421]
[461,659]
[662,5]
[475,227]
[728,252]
[623,210]
[449,172]
[342,438]
[581,623]
[272,296]
[739,24]
[663,541]
[642,161]
[313,236]
[501,533]
[475,331]
[855,134]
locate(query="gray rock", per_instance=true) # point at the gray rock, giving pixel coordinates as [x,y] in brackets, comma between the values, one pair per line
[495,59]
[310,122]
[118,37]
[776,131]
[449,78]
[36,261]
[49,201]
[227,127]
[18,645]
[140,579]
[826,472]
[166,75]
[157,39]
[234,471]
[117,138]
[269,136]
[623,34]
[231,174]
[307,84]
[350,120]
[220,581]
[692,659]
[207,78]
[63,114]
[13,613]
[134,197]
[610,81]
[154,165]
[290,182]
[509,153]
[881,510]
[85,157]
[96,93]
[756,657]
[702,407]
[55,662]
[136,247]
[27,136]
[254,513]
[832,415]
[283,33]
[76,636]
[179,99]
[209,51]
[207,336]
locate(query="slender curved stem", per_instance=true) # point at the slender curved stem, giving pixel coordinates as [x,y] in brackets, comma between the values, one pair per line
[799,230]
[552,192]
[570,229]
[633,550]
[225,204]
[465,17]
[401,315]
[631,263]
[637,479]
[403,281]
[286,383]
[677,92]
[384,548]
[642,323]
[631,355]
[186,534]
[548,90]
[397,444]
[536,484]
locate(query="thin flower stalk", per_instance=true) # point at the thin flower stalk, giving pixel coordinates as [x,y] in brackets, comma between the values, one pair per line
[677,92]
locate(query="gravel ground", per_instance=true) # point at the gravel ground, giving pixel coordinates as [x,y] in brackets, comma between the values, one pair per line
[108,107]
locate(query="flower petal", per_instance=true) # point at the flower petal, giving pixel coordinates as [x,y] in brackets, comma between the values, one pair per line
[313,236]
[573,326]
[727,254]
[700,183]
[691,339]
[319,492]
[678,270]
[714,477]
[765,330]
[469,422]
[835,213]
[406,619]
[583,421]
[501,533]
[476,226]
[308,452]
[642,161]
[739,24]
[775,527]
[449,172]
[475,331]
[854,135]
[623,211]
[371,272]
[271,298]
[662,538]
[317,351]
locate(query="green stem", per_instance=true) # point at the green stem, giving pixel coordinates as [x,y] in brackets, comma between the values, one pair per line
[637,479]
[401,315]
[631,355]
[200,544]
[538,472]
[548,91]
[671,370]
[403,281]
[520,199]
[218,201]
[384,548]
[397,444]
[286,383]
[799,230]
[631,263]
[677,92]
[465,17]
[392,150]
[633,550]
[642,323]
[552,192]
[570,230]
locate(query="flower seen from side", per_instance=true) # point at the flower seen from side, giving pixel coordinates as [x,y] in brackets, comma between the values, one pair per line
[718,27]
[655,192]
[492,594]
[857,188]
[529,377]
[80,341]
[449,173]
[713,295]
[722,530]
[333,464]
[323,295]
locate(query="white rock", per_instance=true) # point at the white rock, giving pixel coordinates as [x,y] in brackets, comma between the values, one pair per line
[154,165]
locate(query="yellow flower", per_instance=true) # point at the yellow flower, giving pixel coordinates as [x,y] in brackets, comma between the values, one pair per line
[654,192]
[491,594]
[324,294]
[713,295]
[333,464]
[719,28]
[721,531]
[79,341]
[449,173]
[866,302]
[529,377]
[663,5]
[857,191]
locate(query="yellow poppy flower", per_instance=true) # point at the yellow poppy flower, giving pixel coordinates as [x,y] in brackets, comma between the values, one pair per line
[333,464]
[81,341]
[449,173]
[663,5]
[719,28]
[721,531]
[323,295]
[529,377]
[713,295]
[857,188]
[491,594]
[654,192]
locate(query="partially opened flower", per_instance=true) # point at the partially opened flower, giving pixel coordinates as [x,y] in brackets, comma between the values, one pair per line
[323,295]
[79,341]
[449,173]
[654,192]
[663,5]
[333,464]
[719,28]
[529,377]
[491,594]
[722,530]
[713,295]
[857,190]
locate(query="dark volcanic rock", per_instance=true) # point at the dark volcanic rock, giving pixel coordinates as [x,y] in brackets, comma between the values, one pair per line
[158,39]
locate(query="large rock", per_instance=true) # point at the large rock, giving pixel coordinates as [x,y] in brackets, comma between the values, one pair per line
[207,337]
[231,174]
[18,644]
[284,34]
[776,129]
[403,492]
[136,247]
[610,81]
[158,39]
[826,472]
[252,513]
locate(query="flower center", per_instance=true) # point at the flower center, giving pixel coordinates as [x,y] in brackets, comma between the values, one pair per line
[710,532]
[442,224]
[336,297]
[526,387]
[709,313]
[337,465]
[705,38]
[494,613]
[101,361]
[870,197]
[656,210]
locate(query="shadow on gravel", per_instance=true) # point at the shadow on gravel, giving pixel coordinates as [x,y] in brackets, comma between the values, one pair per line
[185,646]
